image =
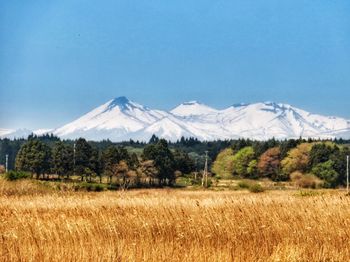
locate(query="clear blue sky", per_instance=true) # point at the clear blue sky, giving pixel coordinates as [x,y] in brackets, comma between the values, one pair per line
[59,59]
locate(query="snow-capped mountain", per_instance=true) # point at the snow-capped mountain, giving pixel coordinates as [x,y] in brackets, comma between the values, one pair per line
[121,119]
[23,132]
[15,133]
[4,132]
[114,120]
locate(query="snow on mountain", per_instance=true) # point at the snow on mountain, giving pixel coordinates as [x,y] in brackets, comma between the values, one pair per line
[171,128]
[265,120]
[42,131]
[112,120]
[262,121]
[192,108]
[121,119]
[4,132]
[12,134]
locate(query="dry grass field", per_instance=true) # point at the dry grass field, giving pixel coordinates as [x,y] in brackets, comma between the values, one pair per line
[172,225]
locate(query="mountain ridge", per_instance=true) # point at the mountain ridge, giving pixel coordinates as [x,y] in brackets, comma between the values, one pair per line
[122,119]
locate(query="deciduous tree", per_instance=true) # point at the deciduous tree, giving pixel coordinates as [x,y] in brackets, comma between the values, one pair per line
[297,159]
[223,164]
[242,160]
[269,164]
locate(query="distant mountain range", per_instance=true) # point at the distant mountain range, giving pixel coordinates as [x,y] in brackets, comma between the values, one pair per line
[121,119]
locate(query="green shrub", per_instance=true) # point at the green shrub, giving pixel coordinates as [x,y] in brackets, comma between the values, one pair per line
[90,187]
[243,184]
[326,172]
[15,175]
[99,188]
[256,188]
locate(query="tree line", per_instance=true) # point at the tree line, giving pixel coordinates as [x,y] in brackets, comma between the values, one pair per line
[157,161]
[309,163]
[157,165]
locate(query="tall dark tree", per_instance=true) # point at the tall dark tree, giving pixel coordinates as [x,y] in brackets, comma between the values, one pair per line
[182,162]
[153,140]
[321,153]
[339,163]
[134,162]
[62,159]
[163,160]
[111,156]
[35,157]
[95,164]
[83,154]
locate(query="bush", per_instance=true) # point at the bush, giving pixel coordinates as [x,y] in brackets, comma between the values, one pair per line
[326,172]
[295,176]
[306,181]
[256,188]
[99,188]
[90,187]
[243,184]
[15,175]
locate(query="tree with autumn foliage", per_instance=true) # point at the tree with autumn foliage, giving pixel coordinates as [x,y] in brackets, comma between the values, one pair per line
[269,164]
[148,170]
[120,171]
[297,159]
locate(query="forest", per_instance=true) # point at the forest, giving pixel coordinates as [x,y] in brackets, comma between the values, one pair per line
[308,163]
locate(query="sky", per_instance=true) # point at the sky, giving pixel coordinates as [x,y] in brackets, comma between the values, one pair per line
[60,59]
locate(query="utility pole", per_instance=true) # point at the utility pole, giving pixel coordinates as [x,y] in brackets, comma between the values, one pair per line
[7,163]
[205,173]
[347,174]
[74,159]
[195,173]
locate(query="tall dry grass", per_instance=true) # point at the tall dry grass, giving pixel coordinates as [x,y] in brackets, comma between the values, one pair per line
[173,225]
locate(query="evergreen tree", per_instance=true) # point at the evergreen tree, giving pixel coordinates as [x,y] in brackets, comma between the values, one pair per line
[153,140]
[95,164]
[35,157]
[321,152]
[326,172]
[83,154]
[182,162]
[163,160]
[133,162]
[111,156]
[62,159]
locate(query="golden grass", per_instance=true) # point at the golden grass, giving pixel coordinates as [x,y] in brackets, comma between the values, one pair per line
[174,225]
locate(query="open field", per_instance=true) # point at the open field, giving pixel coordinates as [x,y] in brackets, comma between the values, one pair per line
[37,224]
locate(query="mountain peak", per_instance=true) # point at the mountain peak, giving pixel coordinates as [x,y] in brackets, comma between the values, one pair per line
[192,108]
[240,104]
[192,102]
[121,100]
